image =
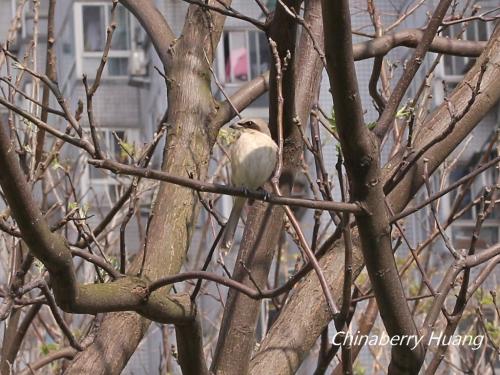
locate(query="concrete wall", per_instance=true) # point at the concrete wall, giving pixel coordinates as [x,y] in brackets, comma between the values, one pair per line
[120,103]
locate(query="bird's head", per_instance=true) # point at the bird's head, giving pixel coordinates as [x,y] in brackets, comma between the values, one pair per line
[252,123]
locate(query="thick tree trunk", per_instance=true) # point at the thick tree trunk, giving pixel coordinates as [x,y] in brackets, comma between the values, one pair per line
[175,209]
[265,223]
[299,326]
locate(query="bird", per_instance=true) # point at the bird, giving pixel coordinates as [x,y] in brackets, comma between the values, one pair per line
[253,159]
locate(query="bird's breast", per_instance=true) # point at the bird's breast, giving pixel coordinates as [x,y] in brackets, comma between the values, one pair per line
[253,158]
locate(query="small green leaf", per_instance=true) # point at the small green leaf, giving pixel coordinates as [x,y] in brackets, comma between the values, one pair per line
[338,149]
[56,164]
[47,348]
[493,331]
[333,121]
[84,210]
[126,149]
[39,266]
[404,112]
[371,125]
[73,205]
[358,369]
[228,136]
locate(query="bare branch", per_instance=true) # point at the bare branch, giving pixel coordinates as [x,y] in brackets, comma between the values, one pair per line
[227,10]
[423,46]
[120,168]
[362,164]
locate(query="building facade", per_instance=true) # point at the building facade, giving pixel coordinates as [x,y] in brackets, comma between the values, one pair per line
[131,98]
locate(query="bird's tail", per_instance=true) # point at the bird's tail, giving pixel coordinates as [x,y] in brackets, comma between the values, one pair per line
[232,223]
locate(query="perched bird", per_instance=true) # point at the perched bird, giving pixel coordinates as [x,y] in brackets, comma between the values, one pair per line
[253,159]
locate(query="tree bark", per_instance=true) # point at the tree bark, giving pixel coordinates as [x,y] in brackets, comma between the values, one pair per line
[187,150]
[265,223]
[299,325]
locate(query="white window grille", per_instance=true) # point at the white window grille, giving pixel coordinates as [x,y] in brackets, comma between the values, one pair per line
[92,20]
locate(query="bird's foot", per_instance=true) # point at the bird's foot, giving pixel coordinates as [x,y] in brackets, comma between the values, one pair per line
[267,194]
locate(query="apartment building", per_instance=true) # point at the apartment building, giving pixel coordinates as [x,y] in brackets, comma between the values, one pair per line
[132,98]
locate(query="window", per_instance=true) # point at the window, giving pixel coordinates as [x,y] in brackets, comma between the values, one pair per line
[246,55]
[454,67]
[93,20]
[462,235]
[463,228]
[66,50]
[120,145]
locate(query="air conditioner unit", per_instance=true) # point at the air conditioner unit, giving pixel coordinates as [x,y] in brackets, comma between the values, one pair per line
[138,63]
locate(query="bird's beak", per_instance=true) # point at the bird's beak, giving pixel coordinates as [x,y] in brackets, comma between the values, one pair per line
[236,126]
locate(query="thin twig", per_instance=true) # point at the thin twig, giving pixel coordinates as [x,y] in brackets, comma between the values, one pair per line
[275,183]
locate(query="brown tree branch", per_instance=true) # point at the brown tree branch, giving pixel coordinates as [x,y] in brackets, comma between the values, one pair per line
[54,88]
[364,50]
[81,143]
[226,10]
[447,283]
[289,340]
[154,23]
[275,184]
[52,250]
[28,97]
[300,334]
[201,186]
[190,346]
[439,121]
[377,47]
[90,91]
[387,117]
[412,38]
[264,222]
[255,294]
[66,353]
[242,98]
[188,129]
[462,298]
[9,352]
[464,180]
[51,72]
[361,154]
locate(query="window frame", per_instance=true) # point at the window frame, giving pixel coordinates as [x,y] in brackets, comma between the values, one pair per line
[456,78]
[64,76]
[469,225]
[483,179]
[81,54]
[110,180]
[221,63]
